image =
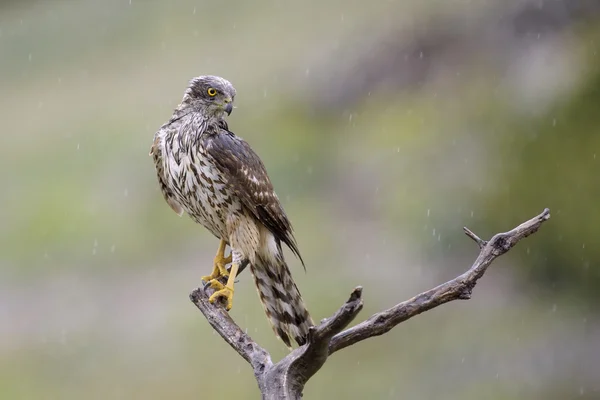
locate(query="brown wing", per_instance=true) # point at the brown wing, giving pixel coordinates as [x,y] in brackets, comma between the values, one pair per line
[245,173]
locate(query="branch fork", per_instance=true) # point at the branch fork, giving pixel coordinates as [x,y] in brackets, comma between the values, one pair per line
[286,379]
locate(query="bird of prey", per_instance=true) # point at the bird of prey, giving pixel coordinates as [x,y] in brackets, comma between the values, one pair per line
[211,174]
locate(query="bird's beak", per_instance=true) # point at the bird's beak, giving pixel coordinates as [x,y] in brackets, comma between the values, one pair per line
[228,108]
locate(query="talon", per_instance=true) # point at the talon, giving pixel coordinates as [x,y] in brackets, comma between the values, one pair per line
[226,292]
[219,264]
[216,284]
[211,277]
[219,270]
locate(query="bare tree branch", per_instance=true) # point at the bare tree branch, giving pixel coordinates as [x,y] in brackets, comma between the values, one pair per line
[219,319]
[286,379]
[459,288]
[480,242]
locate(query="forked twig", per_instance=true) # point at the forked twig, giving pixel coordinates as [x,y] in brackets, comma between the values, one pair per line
[286,379]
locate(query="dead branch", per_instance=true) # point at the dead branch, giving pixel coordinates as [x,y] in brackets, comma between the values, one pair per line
[286,379]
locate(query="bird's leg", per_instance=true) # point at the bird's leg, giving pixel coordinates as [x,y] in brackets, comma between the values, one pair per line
[224,291]
[219,264]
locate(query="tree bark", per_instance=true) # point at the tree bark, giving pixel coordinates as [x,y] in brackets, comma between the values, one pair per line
[286,379]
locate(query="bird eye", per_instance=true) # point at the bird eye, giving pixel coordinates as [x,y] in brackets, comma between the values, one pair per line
[212,92]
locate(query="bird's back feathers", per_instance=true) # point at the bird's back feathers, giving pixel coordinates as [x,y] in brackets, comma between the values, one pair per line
[246,174]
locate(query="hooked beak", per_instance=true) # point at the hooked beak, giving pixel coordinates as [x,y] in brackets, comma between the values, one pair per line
[228,108]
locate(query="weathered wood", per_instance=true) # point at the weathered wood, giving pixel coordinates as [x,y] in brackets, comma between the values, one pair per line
[286,379]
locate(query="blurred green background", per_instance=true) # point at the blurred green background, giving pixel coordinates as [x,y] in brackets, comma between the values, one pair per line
[386,126]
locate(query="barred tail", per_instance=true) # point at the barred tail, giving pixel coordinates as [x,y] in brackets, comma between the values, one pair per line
[281,300]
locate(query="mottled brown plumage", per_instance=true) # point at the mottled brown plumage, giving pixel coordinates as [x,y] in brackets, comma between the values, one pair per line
[211,174]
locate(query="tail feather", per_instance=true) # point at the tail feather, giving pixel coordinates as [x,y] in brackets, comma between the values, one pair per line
[281,300]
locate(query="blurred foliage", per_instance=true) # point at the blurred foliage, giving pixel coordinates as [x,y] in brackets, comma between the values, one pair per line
[552,160]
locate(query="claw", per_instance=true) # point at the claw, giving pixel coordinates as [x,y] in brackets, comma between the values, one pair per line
[225,292]
[214,275]
[219,264]
[216,284]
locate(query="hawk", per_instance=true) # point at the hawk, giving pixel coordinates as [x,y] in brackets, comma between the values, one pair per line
[212,175]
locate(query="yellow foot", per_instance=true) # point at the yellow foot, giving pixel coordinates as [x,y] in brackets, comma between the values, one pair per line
[219,270]
[222,291]
[219,264]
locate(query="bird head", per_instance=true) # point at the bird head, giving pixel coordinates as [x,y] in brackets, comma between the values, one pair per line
[210,95]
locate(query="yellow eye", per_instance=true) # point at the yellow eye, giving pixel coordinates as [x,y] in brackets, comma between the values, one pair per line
[212,92]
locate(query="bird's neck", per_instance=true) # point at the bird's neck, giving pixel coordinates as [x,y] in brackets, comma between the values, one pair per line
[199,123]
[196,114]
